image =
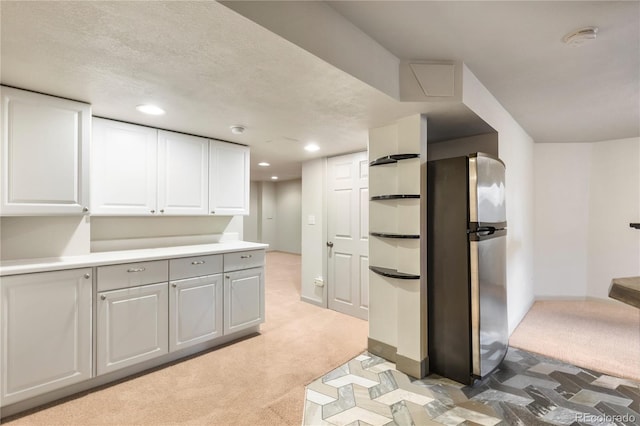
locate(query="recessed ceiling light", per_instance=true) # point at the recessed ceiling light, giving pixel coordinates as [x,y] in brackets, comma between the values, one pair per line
[150,109]
[580,36]
[263,164]
[237,130]
[274,177]
[312,147]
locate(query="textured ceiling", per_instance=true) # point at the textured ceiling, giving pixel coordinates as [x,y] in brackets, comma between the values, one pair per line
[207,66]
[211,68]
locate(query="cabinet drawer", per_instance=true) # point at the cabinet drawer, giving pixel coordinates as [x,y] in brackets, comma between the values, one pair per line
[132,274]
[243,260]
[198,266]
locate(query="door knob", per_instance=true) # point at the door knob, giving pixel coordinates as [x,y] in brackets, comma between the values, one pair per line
[329,244]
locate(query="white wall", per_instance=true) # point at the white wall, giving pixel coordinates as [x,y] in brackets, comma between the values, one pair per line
[250,223]
[35,237]
[268,221]
[275,215]
[288,212]
[314,261]
[586,196]
[614,202]
[562,176]
[53,236]
[515,148]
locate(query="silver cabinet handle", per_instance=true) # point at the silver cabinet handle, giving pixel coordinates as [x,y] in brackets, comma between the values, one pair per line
[103,297]
[87,276]
[213,212]
[227,277]
[198,262]
[247,256]
[329,244]
[85,210]
[174,285]
[153,211]
[162,211]
[136,269]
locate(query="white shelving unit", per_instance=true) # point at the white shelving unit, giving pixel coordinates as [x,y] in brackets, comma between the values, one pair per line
[397,330]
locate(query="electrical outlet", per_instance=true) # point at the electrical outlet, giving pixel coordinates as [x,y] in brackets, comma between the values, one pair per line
[318,282]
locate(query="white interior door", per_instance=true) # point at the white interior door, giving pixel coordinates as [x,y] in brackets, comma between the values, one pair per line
[348,234]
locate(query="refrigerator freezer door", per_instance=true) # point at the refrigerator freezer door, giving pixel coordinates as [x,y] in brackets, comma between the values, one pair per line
[489,331]
[486,190]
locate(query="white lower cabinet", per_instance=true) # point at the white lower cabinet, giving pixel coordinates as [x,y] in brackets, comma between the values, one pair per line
[195,311]
[243,299]
[144,311]
[132,326]
[46,332]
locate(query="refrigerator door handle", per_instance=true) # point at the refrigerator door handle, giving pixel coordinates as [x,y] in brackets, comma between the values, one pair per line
[482,234]
[490,230]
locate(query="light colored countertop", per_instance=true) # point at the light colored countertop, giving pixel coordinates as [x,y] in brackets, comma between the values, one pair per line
[25,266]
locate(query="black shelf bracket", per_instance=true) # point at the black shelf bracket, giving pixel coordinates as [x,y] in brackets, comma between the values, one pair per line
[391,235]
[635,225]
[389,159]
[392,273]
[394,197]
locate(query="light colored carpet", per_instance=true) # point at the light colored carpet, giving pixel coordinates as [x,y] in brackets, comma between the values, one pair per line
[258,381]
[600,335]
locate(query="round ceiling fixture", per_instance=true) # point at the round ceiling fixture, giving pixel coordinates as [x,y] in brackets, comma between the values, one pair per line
[150,109]
[580,36]
[312,147]
[237,130]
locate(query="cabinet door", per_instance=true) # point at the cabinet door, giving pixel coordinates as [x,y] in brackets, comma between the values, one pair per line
[45,154]
[123,168]
[195,311]
[183,174]
[243,299]
[132,326]
[46,332]
[229,174]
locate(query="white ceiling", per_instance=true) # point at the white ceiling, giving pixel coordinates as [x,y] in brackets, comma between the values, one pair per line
[556,93]
[211,68]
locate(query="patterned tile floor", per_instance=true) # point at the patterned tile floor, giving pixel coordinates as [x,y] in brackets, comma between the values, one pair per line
[527,389]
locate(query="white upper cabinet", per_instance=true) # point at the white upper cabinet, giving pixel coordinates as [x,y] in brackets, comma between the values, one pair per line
[138,170]
[45,154]
[183,174]
[123,168]
[229,179]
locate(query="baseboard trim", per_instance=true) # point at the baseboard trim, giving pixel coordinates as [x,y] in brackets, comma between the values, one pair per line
[382,349]
[312,301]
[417,369]
[573,299]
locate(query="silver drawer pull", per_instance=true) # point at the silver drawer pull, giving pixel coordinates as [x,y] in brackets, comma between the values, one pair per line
[136,269]
[198,262]
[248,256]
[103,297]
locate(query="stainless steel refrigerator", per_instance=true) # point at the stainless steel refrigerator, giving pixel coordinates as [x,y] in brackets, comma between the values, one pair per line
[466,266]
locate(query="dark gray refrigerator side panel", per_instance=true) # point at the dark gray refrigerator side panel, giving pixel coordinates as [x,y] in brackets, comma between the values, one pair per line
[447,269]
